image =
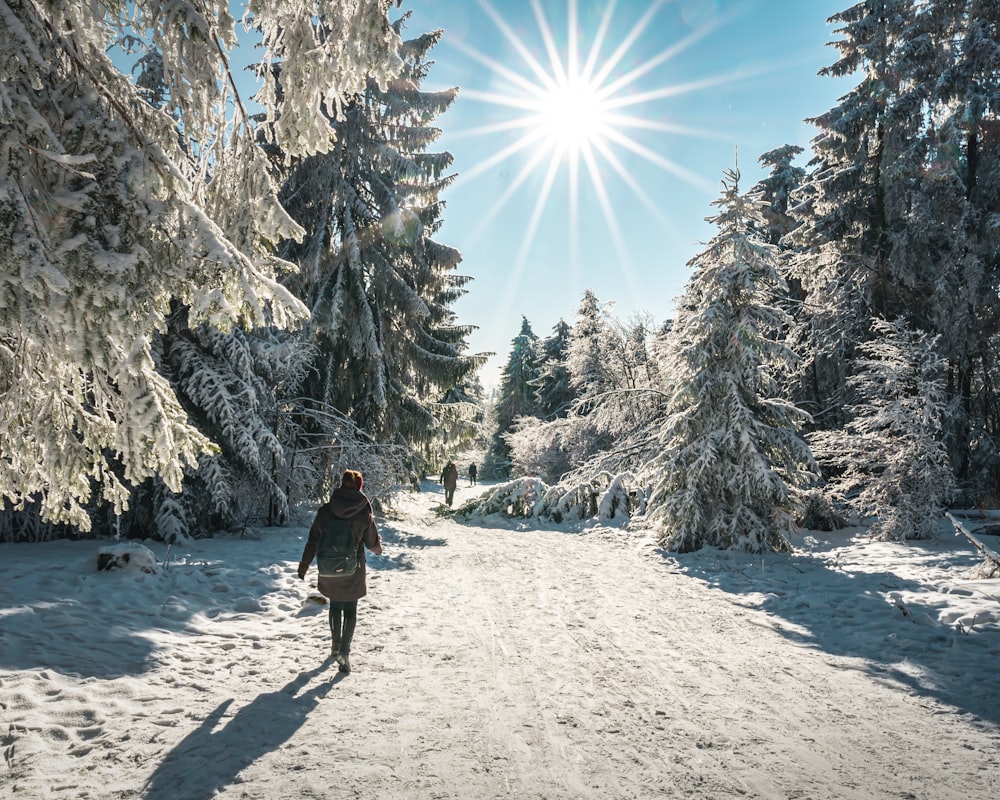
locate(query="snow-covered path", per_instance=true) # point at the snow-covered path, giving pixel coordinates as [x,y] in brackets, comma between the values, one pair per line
[489,663]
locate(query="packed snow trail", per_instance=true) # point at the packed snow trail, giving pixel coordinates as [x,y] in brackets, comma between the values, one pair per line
[488,663]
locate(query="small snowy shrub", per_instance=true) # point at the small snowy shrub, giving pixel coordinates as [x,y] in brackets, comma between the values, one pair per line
[126,556]
[521,497]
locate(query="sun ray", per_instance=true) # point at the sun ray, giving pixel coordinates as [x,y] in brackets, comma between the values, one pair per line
[677,89]
[514,147]
[493,127]
[595,49]
[631,182]
[572,45]
[536,217]
[500,70]
[662,57]
[625,261]
[521,260]
[574,218]
[559,71]
[508,193]
[627,42]
[544,77]
[691,178]
[623,121]
[511,101]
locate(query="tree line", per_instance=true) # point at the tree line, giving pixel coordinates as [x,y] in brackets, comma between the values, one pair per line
[203,310]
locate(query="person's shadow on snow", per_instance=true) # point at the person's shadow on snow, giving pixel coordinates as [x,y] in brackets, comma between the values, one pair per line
[208,759]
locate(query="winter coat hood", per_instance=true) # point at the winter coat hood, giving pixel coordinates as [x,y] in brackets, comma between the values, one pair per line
[349,503]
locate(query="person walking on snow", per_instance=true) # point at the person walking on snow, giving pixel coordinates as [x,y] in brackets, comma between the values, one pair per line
[450,480]
[472,474]
[346,505]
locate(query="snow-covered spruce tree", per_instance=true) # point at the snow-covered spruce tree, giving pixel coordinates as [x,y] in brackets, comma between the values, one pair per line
[461,423]
[379,287]
[553,393]
[110,208]
[776,190]
[891,458]
[729,447]
[238,387]
[516,395]
[843,245]
[900,204]
[953,200]
[586,356]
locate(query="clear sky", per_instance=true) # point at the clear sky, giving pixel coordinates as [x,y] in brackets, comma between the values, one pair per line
[605,183]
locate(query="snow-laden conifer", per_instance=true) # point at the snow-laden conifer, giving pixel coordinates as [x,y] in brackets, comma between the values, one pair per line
[610,431]
[552,387]
[890,459]
[586,356]
[842,245]
[380,288]
[730,449]
[516,395]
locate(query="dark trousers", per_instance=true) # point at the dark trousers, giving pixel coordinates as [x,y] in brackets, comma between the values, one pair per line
[345,611]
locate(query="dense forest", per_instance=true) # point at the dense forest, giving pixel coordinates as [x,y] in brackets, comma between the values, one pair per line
[204,311]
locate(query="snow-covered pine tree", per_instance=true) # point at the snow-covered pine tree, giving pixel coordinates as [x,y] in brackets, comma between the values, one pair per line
[609,432]
[111,208]
[238,387]
[553,393]
[516,395]
[379,287]
[587,357]
[843,244]
[891,458]
[952,207]
[729,447]
[776,189]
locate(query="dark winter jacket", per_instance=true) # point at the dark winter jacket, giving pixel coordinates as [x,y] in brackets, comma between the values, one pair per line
[344,504]
[450,476]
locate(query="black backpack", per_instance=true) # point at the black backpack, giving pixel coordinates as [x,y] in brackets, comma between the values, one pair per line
[337,552]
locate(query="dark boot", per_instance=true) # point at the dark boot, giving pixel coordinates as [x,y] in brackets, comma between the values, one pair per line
[343,657]
[335,618]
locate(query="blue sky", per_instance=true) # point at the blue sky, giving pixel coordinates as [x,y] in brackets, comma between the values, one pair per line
[695,79]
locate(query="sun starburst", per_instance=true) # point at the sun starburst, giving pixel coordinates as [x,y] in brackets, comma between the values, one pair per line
[579,111]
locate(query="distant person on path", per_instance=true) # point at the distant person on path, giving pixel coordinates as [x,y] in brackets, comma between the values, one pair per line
[472,474]
[343,528]
[450,480]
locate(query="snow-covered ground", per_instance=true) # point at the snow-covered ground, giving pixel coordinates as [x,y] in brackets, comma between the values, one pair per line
[496,660]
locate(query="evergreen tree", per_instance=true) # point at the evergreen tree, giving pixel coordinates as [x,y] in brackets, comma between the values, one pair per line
[954,195]
[516,396]
[111,209]
[776,191]
[891,458]
[729,447]
[587,355]
[843,244]
[553,394]
[895,214]
[379,287]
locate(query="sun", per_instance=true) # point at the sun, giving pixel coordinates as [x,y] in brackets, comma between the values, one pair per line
[573,116]
[571,110]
